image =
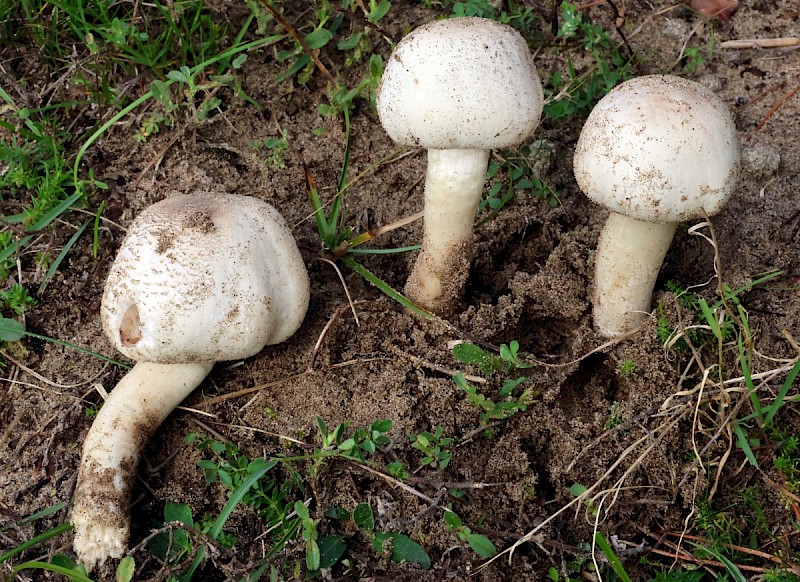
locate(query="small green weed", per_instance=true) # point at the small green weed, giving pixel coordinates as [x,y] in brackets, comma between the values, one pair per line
[516,14]
[434,446]
[627,369]
[490,410]
[479,543]
[509,357]
[717,525]
[787,461]
[397,470]
[721,319]
[37,176]
[614,416]
[16,299]
[310,536]
[574,90]
[58,563]
[398,547]
[271,498]
[508,360]
[361,445]
[174,545]
[277,146]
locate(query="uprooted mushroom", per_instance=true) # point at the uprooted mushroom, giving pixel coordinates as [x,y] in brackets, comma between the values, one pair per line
[198,279]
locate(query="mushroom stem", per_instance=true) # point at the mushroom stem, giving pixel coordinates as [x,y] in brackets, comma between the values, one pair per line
[453,188]
[629,255]
[134,410]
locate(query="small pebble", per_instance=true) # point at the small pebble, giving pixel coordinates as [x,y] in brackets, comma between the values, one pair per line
[762,161]
[676,28]
[713,82]
[542,156]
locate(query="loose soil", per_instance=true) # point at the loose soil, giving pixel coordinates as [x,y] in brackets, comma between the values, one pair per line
[531,280]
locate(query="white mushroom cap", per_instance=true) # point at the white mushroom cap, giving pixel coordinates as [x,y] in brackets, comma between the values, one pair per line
[201,278]
[659,149]
[460,83]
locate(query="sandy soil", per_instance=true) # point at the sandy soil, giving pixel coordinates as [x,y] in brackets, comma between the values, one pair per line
[531,280]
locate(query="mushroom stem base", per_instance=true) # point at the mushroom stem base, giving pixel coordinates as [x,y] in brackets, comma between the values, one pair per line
[134,410]
[629,256]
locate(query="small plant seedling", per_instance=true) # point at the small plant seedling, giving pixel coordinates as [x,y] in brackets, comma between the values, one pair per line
[16,299]
[310,536]
[491,410]
[397,470]
[627,369]
[362,444]
[401,547]
[614,416]
[277,146]
[365,442]
[479,543]
[434,446]
[508,359]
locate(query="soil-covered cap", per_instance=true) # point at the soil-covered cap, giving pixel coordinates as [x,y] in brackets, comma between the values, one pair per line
[658,148]
[460,83]
[200,278]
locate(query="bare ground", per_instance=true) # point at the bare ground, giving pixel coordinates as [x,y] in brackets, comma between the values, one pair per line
[531,281]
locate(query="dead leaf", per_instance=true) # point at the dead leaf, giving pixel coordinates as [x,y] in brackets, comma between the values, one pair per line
[721,9]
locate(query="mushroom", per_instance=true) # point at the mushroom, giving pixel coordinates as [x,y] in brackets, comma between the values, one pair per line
[656,150]
[198,279]
[459,88]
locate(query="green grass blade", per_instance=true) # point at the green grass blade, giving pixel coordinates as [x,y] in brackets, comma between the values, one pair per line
[237,497]
[103,128]
[733,570]
[57,211]
[56,531]
[747,287]
[385,251]
[744,444]
[773,408]
[324,227]
[603,544]
[70,573]
[96,230]
[708,315]
[234,500]
[14,248]
[77,348]
[346,159]
[385,288]
[748,380]
[54,267]
[43,513]
[194,70]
